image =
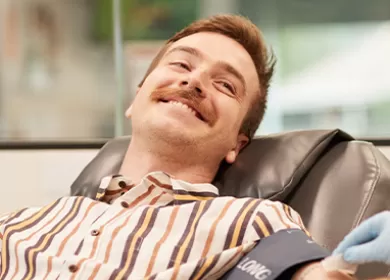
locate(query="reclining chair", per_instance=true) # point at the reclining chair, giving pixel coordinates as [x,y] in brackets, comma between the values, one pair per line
[332,180]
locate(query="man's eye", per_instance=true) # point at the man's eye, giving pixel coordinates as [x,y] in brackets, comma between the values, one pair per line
[182,65]
[228,86]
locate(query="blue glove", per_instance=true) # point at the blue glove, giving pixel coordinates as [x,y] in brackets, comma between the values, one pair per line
[369,242]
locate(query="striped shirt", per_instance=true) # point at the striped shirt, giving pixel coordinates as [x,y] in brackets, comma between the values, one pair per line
[161,228]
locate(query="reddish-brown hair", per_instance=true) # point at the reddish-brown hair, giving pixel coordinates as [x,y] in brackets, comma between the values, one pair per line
[243,31]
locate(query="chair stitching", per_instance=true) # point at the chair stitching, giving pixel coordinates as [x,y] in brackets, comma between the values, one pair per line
[371,190]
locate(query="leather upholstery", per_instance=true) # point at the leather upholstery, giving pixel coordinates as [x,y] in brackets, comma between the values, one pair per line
[347,185]
[333,181]
[272,166]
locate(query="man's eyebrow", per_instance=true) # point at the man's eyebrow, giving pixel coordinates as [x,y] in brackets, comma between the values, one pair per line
[189,50]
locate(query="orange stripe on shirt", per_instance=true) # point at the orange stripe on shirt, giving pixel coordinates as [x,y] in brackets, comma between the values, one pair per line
[157,182]
[155,199]
[116,232]
[287,210]
[209,261]
[114,235]
[214,226]
[132,205]
[238,227]
[21,226]
[279,215]
[134,240]
[229,263]
[31,235]
[95,242]
[303,227]
[47,238]
[63,243]
[95,272]
[4,218]
[262,226]
[161,241]
[183,247]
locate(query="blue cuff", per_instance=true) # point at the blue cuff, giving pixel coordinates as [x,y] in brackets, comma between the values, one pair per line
[276,254]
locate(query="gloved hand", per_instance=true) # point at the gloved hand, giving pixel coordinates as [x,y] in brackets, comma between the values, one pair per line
[368,242]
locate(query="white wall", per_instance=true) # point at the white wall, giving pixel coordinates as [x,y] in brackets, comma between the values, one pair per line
[385,150]
[37,177]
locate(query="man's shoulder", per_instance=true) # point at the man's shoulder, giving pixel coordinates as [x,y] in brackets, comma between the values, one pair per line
[30,212]
[256,200]
[242,198]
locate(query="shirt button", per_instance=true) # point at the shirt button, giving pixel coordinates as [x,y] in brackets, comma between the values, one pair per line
[95,232]
[124,204]
[73,268]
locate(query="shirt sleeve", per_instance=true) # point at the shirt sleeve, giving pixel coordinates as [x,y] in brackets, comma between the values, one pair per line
[283,245]
[3,219]
[14,216]
[277,257]
[271,217]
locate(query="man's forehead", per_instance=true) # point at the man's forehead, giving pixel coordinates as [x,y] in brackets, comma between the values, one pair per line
[210,42]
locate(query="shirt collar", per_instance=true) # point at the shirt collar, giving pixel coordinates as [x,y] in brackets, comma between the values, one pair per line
[113,186]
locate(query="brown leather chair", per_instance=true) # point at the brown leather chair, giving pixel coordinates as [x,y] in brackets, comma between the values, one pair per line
[332,180]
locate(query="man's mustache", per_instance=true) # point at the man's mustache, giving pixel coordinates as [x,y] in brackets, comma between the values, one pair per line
[198,103]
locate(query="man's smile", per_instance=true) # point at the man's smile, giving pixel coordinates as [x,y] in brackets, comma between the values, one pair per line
[184,104]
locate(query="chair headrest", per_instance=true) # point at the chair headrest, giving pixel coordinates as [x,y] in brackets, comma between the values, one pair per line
[270,167]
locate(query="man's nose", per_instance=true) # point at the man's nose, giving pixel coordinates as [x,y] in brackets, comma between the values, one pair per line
[192,84]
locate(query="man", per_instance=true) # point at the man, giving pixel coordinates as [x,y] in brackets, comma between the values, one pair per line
[199,104]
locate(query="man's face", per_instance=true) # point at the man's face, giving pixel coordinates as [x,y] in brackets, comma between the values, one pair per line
[199,93]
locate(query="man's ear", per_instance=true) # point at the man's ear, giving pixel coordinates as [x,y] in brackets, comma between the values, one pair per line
[129,110]
[242,141]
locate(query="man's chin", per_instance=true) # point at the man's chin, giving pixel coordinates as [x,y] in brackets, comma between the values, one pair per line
[177,133]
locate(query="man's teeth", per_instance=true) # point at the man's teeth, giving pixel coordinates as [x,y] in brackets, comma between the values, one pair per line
[182,106]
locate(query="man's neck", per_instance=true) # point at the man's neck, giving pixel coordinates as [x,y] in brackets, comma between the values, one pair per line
[141,159]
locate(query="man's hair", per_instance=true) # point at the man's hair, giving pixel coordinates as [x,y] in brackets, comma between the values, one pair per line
[243,31]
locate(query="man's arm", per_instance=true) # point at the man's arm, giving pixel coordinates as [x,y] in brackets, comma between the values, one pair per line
[315,271]
[286,248]
[4,217]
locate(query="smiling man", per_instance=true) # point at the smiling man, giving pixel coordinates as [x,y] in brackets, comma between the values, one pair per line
[199,104]
[194,103]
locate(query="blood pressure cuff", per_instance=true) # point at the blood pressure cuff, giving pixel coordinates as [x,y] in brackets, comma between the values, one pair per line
[277,256]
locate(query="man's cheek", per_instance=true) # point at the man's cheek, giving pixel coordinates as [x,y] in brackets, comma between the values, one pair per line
[162,78]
